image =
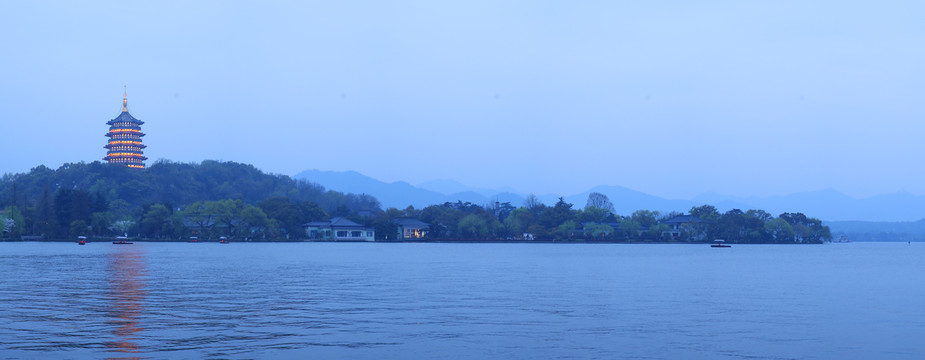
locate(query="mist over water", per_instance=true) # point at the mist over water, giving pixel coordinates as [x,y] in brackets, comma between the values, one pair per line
[496,301]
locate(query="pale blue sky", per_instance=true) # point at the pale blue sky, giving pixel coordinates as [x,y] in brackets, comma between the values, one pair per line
[673,98]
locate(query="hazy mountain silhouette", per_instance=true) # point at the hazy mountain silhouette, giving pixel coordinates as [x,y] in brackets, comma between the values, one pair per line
[398,194]
[828,204]
[878,231]
[626,201]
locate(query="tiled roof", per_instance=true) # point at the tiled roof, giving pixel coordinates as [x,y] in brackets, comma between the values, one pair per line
[681,219]
[411,222]
[125,117]
[336,222]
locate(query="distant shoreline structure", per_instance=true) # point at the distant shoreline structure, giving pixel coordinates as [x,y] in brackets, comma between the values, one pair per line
[436,241]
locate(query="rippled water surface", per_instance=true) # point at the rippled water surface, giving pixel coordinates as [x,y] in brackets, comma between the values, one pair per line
[473,301]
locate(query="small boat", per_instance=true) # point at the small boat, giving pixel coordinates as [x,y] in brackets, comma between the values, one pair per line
[81,240]
[222,240]
[719,243]
[121,240]
[193,239]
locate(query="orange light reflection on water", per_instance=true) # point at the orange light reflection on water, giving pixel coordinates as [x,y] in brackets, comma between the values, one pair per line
[126,295]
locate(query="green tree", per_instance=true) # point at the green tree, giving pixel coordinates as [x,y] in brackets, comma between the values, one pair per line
[288,215]
[311,211]
[780,231]
[228,215]
[45,223]
[659,232]
[201,217]
[731,225]
[598,231]
[15,222]
[707,228]
[705,212]
[443,219]
[473,227]
[122,227]
[255,223]
[384,223]
[565,230]
[600,201]
[78,228]
[518,221]
[559,213]
[645,218]
[155,221]
[630,229]
[595,214]
[6,224]
[100,222]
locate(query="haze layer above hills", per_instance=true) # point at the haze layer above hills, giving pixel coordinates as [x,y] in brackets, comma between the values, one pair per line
[828,205]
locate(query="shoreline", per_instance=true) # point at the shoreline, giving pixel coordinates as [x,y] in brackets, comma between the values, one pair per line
[440,241]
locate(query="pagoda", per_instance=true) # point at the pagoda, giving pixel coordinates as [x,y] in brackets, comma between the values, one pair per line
[125,134]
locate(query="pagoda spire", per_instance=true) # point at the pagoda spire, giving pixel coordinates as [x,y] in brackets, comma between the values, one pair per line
[125,98]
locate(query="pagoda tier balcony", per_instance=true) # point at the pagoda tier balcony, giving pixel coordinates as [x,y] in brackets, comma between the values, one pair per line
[124,140]
[124,154]
[127,152]
[126,133]
[137,145]
[124,127]
[131,152]
[123,160]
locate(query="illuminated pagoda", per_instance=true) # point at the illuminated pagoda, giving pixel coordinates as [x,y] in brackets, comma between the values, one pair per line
[125,134]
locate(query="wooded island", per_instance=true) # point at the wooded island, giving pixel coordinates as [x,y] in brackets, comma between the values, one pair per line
[211,199]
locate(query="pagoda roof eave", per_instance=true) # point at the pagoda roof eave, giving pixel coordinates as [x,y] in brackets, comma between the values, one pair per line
[125,117]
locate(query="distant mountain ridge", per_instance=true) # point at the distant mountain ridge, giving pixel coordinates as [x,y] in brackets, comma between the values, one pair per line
[878,231]
[828,204]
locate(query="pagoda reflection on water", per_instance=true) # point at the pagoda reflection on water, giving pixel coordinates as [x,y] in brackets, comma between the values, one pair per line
[125,134]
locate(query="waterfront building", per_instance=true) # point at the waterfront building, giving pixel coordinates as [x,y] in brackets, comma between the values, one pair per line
[680,223]
[338,229]
[410,228]
[124,135]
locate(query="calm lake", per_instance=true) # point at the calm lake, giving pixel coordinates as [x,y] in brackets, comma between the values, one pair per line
[461,301]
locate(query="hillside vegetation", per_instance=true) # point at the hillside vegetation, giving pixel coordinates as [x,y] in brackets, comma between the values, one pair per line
[104,199]
[174,201]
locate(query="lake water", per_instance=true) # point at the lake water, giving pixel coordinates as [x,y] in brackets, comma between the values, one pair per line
[461,301]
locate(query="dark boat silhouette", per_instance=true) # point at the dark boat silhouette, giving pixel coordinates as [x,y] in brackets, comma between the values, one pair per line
[720,244]
[121,240]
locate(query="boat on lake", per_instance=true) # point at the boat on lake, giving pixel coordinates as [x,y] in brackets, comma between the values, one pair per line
[81,240]
[222,240]
[193,239]
[121,240]
[718,243]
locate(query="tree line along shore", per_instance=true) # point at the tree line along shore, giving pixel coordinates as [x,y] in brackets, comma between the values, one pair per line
[171,201]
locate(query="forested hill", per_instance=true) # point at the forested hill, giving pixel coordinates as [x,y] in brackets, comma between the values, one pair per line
[166,182]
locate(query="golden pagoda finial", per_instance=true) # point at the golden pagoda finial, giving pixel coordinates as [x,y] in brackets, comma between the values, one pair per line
[125,99]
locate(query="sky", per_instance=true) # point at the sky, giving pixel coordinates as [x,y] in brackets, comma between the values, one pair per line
[672,98]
